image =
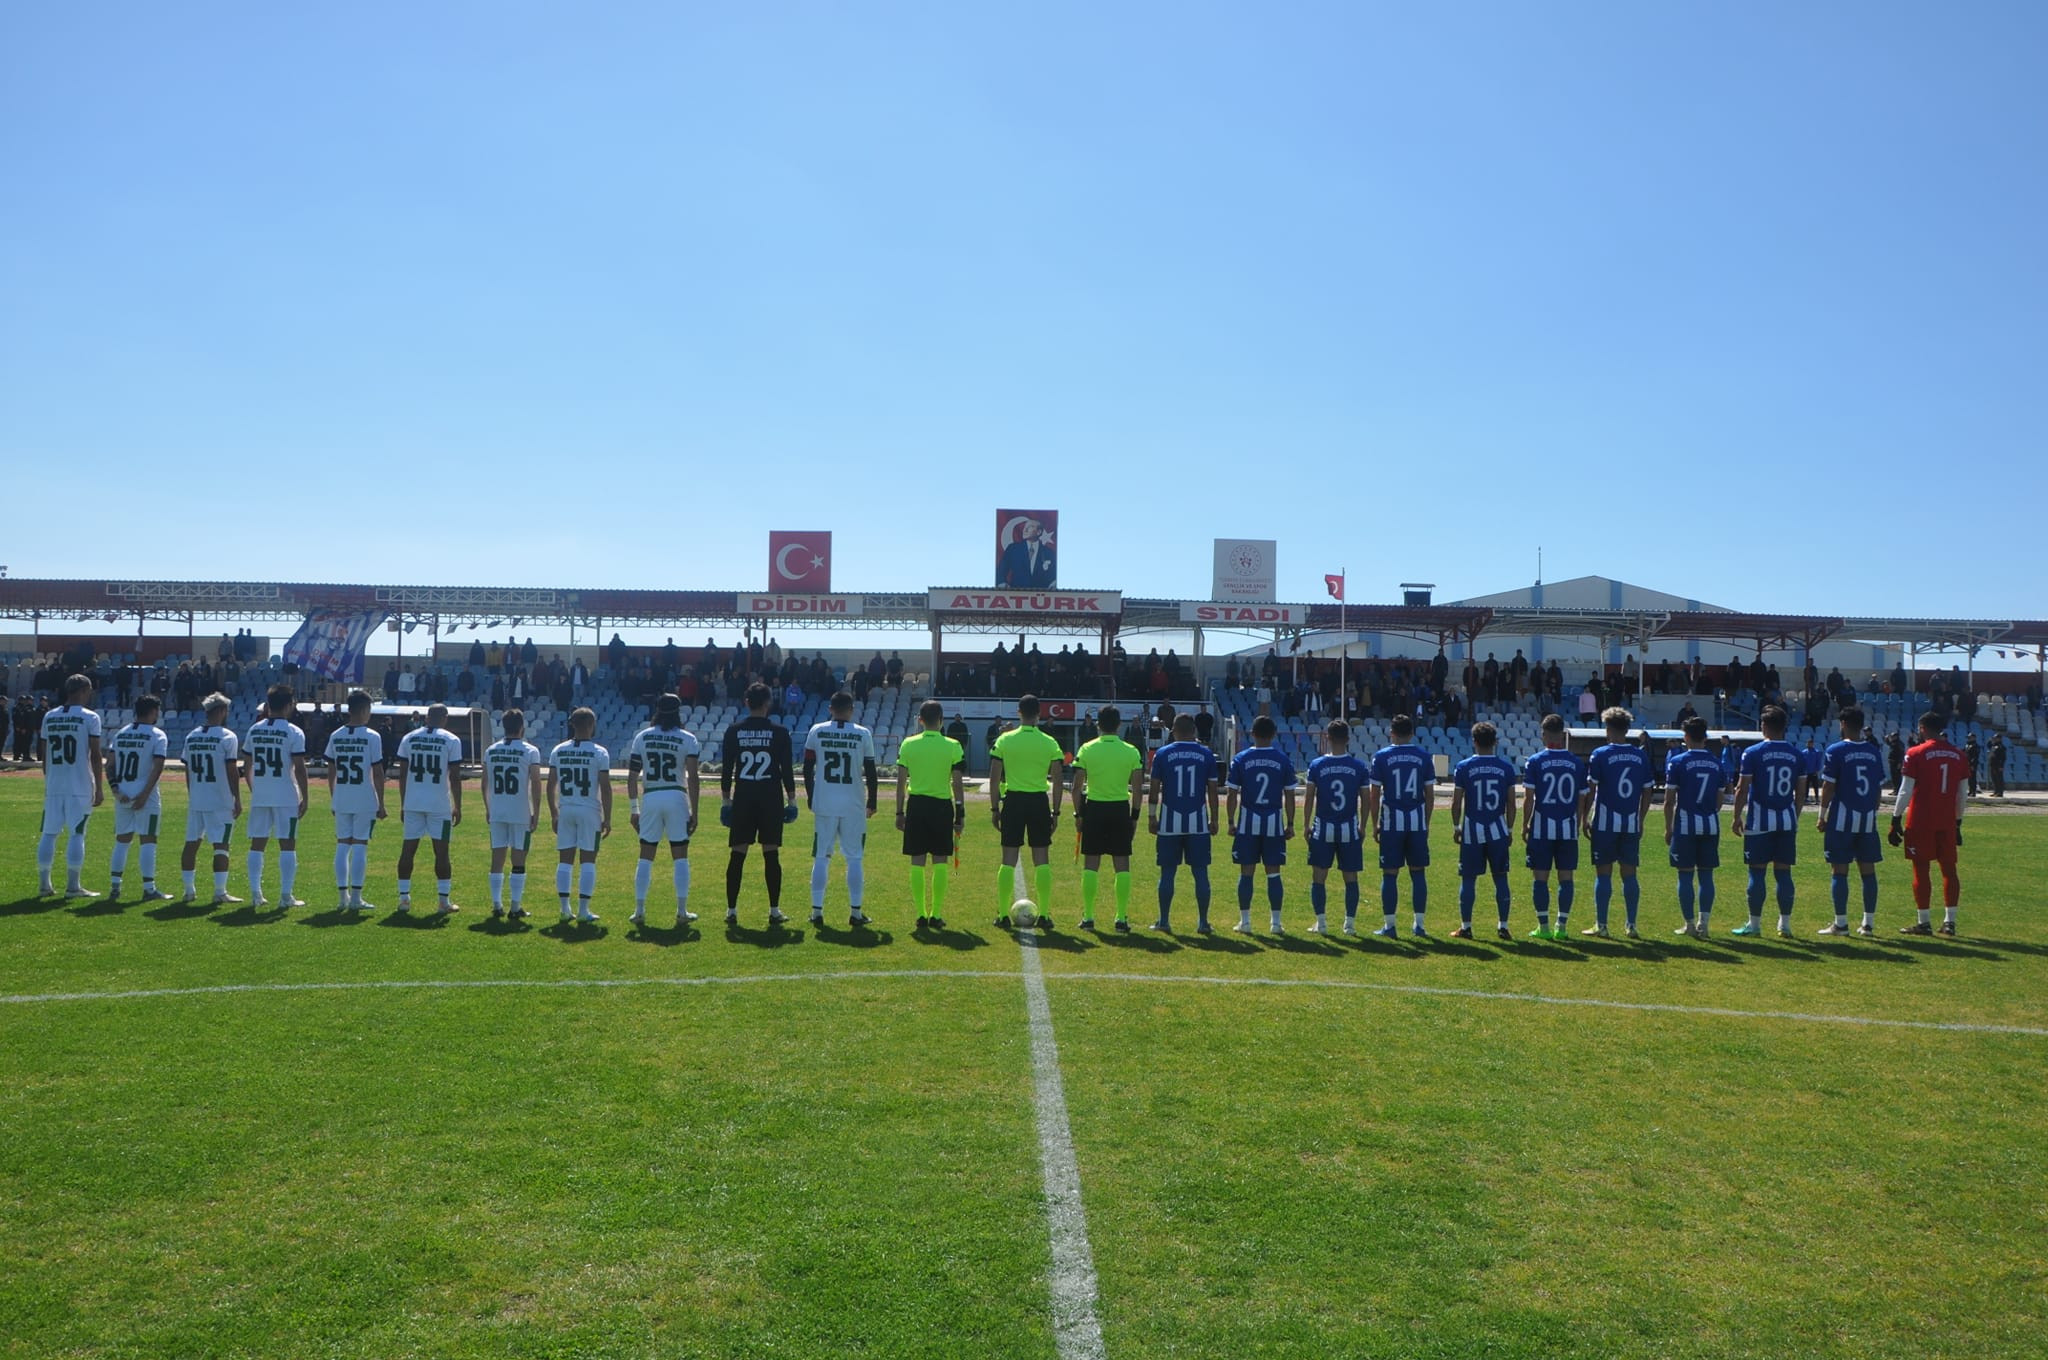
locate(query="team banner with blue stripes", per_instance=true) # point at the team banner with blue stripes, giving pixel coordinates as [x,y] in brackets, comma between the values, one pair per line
[331,642]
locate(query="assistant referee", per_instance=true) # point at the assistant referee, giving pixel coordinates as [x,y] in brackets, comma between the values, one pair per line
[1025,788]
[928,766]
[1109,787]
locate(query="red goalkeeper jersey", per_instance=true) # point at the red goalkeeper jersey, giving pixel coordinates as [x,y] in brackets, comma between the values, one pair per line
[1939,773]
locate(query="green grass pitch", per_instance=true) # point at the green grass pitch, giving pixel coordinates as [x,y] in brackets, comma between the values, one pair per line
[787,1158]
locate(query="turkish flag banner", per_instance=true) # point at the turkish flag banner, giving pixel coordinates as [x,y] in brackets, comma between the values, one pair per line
[1335,585]
[800,560]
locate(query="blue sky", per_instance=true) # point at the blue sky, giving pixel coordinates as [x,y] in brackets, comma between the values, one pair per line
[602,294]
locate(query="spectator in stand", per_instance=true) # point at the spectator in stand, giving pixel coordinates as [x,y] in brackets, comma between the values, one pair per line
[408,685]
[1975,755]
[1589,702]
[1997,763]
[1895,756]
[476,652]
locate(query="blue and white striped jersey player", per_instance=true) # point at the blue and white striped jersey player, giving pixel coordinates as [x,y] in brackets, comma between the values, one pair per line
[1183,796]
[1482,822]
[1261,808]
[1550,825]
[1693,781]
[1403,795]
[1767,799]
[1337,782]
[1852,781]
[1614,806]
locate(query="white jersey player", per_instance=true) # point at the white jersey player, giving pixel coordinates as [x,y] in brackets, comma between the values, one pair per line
[663,760]
[429,801]
[580,808]
[73,784]
[839,761]
[355,793]
[274,761]
[213,797]
[511,808]
[135,765]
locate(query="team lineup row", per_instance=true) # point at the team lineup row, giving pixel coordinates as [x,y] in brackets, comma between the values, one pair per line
[1554,800]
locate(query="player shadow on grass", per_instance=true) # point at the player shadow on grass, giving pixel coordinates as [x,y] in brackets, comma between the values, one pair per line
[180,911]
[768,937]
[1940,945]
[502,925]
[252,915]
[952,937]
[1371,943]
[1300,944]
[1460,949]
[1144,941]
[1065,942]
[1220,943]
[414,920]
[105,906]
[30,906]
[867,937]
[1944,948]
[334,916]
[1801,951]
[574,932]
[663,937]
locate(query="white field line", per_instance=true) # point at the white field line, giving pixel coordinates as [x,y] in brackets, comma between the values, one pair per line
[1076,1330]
[885,974]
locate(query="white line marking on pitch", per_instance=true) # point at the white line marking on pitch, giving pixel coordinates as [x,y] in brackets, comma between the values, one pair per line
[1075,1328]
[884,974]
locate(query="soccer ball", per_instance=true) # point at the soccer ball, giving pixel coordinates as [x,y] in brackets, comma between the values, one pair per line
[1024,915]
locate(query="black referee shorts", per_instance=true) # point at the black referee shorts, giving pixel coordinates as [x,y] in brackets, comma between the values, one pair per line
[1107,828]
[1027,820]
[928,826]
[755,818]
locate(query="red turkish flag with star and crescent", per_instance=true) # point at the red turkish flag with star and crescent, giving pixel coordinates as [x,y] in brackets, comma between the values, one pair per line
[1335,585]
[800,561]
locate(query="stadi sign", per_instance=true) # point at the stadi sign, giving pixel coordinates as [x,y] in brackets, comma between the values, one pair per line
[1244,615]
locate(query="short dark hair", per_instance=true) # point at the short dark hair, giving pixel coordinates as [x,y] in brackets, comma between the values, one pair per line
[1933,722]
[581,717]
[1852,718]
[1773,719]
[1619,718]
[1109,719]
[514,721]
[1183,726]
[1485,734]
[668,711]
[148,706]
[1027,707]
[76,686]
[280,699]
[358,701]
[758,695]
[437,713]
[931,712]
[1403,725]
[1695,728]
[841,701]
[1553,725]
[1263,726]
[1338,730]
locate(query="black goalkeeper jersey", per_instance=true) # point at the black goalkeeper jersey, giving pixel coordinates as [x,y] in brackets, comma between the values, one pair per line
[758,765]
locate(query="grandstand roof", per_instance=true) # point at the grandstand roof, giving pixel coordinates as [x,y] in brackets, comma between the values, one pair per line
[1640,616]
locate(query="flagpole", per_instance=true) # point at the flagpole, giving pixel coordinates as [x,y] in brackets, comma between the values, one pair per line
[1344,631]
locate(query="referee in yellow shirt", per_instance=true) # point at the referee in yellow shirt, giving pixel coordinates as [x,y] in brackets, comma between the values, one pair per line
[1109,787]
[928,767]
[1025,784]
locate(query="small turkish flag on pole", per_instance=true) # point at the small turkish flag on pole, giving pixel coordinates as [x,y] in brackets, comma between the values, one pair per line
[800,561]
[1336,586]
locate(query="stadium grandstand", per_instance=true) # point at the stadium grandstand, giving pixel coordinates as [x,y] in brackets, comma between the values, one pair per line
[978,649]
